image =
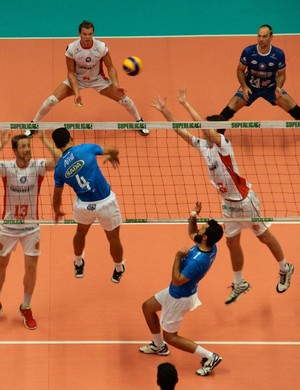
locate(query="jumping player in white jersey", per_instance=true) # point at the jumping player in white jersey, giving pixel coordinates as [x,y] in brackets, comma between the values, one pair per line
[22,179]
[78,168]
[261,73]
[238,200]
[85,58]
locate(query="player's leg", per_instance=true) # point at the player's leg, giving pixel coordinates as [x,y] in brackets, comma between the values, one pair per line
[286,270]
[288,104]
[61,92]
[7,245]
[29,282]
[157,345]
[116,252]
[78,246]
[236,103]
[4,260]
[127,103]
[209,359]
[239,285]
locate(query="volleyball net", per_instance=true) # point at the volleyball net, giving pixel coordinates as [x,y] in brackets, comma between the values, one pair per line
[160,176]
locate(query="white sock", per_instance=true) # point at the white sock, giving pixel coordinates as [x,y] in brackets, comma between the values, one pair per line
[237,277]
[119,266]
[26,301]
[158,340]
[283,265]
[78,260]
[203,352]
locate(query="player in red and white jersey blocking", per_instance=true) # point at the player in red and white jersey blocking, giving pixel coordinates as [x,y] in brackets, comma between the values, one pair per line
[238,199]
[85,60]
[22,179]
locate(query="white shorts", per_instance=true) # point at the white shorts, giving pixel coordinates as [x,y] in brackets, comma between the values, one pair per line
[107,211]
[98,84]
[173,310]
[246,208]
[30,243]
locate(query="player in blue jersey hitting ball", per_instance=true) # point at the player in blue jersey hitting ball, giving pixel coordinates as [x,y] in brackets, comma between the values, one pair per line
[189,267]
[261,73]
[79,169]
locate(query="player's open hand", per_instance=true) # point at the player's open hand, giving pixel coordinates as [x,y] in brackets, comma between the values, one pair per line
[159,103]
[182,95]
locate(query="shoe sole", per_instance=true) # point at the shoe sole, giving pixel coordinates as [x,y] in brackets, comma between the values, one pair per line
[220,359]
[155,353]
[280,292]
[236,299]
[79,276]
[144,134]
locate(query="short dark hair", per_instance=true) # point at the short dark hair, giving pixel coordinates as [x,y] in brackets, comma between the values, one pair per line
[15,140]
[86,24]
[267,26]
[214,232]
[167,376]
[217,118]
[61,137]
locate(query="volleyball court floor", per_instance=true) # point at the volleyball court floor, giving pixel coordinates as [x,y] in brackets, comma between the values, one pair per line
[89,330]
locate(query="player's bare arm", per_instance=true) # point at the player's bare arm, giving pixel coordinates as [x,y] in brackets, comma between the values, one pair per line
[242,80]
[177,278]
[113,75]
[56,203]
[281,76]
[72,79]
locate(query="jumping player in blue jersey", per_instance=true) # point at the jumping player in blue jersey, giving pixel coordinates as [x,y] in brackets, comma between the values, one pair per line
[261,73]
[79,169]
[189,267]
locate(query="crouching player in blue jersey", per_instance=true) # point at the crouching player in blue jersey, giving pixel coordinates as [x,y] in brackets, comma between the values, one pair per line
[189,267]
[261,73]
[79,169]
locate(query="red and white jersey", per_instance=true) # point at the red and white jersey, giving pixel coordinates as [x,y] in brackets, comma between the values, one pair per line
[88,62]
[222,168]
[21,192]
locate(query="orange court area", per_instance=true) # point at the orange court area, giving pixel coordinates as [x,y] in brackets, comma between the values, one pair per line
[89,330]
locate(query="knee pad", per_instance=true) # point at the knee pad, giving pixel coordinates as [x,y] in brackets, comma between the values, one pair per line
[295,112]
[227,113]
[52,100]
[126,102]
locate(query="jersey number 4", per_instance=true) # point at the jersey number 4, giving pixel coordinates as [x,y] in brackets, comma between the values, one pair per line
[82,182]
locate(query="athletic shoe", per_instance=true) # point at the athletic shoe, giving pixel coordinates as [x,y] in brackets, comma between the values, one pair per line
[79,270]
[208,365]
[29,321]
[285,279]
[116,277]
[29,133]
[144,131]
[152,348]
[237,289]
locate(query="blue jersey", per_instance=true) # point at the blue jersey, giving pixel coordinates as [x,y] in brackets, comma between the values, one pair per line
[262,68]
[194,266]
[78,168]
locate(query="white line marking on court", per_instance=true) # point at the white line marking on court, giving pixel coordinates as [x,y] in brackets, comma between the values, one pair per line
[118,342]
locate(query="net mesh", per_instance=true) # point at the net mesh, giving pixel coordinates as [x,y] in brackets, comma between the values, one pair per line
[160,177]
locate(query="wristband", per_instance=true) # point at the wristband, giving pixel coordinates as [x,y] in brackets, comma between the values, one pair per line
[194,213]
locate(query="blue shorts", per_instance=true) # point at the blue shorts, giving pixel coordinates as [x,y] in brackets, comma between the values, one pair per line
[267,94]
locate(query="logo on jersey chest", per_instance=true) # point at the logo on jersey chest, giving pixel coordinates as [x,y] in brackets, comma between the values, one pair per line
[74,168]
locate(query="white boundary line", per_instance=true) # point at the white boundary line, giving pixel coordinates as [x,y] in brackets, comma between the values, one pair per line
[118,342]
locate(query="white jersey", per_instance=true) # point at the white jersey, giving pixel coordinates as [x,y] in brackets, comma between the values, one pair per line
[21,191]
[88,62]
[223,170]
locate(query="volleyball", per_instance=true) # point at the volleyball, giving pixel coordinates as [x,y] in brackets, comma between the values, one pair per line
[132,65]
